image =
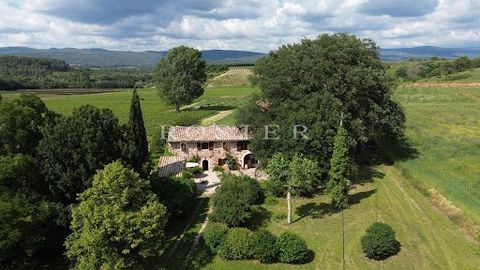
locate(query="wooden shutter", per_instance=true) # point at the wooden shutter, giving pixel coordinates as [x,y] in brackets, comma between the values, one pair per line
[239,146]
[210,146]
[199,146]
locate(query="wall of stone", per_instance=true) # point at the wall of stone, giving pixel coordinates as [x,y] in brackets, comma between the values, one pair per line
[212,156]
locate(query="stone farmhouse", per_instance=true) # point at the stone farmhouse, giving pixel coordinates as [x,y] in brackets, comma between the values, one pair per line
[211,144]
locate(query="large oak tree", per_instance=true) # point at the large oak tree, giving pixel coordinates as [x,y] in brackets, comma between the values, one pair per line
[312,83]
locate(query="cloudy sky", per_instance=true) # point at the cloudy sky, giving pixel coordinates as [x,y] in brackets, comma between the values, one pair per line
[257,25]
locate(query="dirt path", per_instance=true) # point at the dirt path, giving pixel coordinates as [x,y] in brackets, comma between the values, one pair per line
[220,115]
[443,84]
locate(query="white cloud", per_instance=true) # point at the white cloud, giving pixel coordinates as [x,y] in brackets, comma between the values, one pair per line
[233,24]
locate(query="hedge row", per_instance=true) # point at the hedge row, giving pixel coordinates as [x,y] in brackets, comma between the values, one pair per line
[242,244]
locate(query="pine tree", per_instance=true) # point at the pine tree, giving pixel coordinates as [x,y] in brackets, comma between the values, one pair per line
[137,153]
[340,165]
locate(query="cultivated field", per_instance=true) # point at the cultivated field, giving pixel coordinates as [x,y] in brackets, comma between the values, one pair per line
[234,76]
[155,112]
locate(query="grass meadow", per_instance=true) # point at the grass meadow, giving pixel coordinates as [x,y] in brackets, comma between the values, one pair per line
[155,111]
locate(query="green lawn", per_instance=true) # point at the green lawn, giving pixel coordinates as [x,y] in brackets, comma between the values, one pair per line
[428,239]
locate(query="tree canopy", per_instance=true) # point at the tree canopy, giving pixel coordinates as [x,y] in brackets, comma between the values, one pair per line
[76,147]
[311,84]
[21,121]
[118,224]
[180,76]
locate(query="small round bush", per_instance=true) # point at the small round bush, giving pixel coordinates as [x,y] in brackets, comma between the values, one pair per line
[214,235]
[379,242]
[291,248]
[265,249]
[237,245]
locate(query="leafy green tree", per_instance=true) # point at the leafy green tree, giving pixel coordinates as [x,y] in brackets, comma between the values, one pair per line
[310,84]
[29,236]
[299,176]
[180,76]
[76,147]
[178,194]
[234,199]
[118,224]
[136,148]
[21,174]
[340,165]
[21,121]
[462,63]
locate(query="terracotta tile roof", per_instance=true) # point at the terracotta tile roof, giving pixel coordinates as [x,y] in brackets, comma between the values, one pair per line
[170,165]
[206,134]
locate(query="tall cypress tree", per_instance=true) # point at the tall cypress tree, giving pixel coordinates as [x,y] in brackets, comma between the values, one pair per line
[137,153]
[340,165]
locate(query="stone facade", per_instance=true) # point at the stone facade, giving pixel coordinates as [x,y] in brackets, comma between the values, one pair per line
[210,149]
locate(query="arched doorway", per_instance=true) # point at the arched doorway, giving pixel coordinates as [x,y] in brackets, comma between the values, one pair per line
[205,165]
[248,161]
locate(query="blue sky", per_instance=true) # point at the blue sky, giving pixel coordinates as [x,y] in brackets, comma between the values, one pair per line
[257,25]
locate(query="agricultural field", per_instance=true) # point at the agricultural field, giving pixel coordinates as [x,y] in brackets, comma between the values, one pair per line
[443,125]
[233,76]
[155,112]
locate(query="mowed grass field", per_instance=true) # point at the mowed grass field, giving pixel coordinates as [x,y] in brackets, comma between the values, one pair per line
[443,125]
[428,239]
[155,111]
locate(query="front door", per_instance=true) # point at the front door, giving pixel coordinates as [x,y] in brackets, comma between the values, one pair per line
[205,165]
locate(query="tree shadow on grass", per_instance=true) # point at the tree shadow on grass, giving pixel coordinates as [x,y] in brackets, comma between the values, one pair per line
[313,210]
[201,257]
[210,107]
[367,174]
[359,196]
[318,210]
[260,218]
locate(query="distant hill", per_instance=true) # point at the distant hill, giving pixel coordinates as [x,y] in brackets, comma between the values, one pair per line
[427,52]
[106,58]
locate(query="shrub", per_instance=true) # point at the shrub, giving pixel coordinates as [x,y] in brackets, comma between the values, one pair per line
[233,200]
[214,235]
[379,242]
[237,245]
[187,174]
[273,188]
[178,194]
[291,248]
[195,159]
[270,200]
[196,170]
[231,162]
[158,143]
[265,249]
[218,168]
